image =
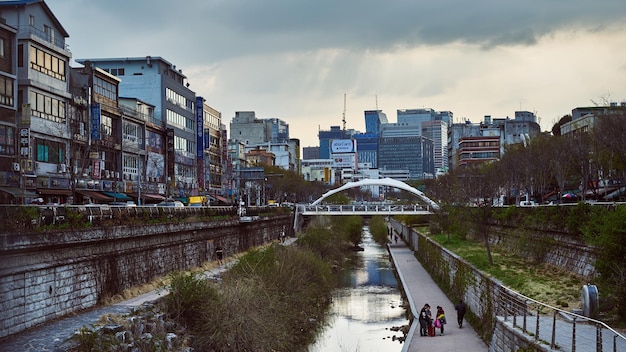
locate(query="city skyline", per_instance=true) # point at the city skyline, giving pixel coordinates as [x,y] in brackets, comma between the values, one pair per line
[295,61]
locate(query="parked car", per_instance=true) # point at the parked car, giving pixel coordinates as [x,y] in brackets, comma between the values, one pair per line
[129,203]
[171,203]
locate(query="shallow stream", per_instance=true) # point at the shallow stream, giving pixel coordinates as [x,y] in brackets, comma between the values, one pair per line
[366,306]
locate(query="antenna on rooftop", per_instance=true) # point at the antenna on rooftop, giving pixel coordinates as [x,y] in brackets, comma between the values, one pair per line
[376,101]
[343,119]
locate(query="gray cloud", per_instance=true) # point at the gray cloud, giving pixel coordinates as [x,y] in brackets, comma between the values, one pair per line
[219,29]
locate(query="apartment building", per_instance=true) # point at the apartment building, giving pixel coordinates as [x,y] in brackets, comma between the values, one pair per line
[41,57]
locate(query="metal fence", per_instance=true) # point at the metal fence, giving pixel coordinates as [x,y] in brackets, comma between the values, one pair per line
[555,327]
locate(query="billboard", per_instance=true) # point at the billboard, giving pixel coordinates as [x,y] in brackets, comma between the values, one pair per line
[342,146]
[344,160]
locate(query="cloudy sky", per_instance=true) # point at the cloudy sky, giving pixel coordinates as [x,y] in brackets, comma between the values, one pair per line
[295,59]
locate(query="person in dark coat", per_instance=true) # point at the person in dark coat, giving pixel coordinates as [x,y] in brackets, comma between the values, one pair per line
[425,320]
[460,312]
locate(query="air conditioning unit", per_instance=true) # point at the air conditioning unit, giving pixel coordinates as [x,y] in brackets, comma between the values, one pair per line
[107,173]
[16,166]
[62,168]
[117,175]
[126,176]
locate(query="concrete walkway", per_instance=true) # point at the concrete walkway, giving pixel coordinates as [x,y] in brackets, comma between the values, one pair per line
[421,289]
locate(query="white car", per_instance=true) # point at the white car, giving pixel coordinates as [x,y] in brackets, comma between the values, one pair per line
[171,203]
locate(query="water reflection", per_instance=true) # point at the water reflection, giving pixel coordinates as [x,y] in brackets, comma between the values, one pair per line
[366,306]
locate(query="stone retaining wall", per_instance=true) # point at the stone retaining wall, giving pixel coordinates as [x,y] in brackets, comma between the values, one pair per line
[484,296]
[44,276]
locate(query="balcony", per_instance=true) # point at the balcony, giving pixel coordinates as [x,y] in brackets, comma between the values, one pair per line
[30,31]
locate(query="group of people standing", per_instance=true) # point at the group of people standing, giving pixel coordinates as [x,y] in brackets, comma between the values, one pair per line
[429,324]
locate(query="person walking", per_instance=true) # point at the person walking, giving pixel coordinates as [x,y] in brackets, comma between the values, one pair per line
[440,319]
[460,312]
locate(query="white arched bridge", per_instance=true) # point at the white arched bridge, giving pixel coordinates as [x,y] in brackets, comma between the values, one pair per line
[426,206]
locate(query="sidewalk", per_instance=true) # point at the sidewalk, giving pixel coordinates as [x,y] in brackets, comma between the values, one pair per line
[421,289]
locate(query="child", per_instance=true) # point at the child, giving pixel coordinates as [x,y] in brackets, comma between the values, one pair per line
[440,319]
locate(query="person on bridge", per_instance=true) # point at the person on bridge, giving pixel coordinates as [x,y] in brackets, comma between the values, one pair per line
[460,312]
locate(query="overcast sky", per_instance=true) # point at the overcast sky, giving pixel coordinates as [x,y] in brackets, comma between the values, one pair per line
[295,59]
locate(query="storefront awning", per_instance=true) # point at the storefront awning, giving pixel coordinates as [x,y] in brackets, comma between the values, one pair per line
[220,198]
[54,192]
[17,192]
[153,196]
[95,195]
[117,195]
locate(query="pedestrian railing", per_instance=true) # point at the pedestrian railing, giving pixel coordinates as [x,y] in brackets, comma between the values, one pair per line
[561,330]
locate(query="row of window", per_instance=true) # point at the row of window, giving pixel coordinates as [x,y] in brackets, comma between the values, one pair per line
[115,71]
[47,107]
[180,120]
[47,63]
[184,144]
[49,151]
[104,88]
[178,99]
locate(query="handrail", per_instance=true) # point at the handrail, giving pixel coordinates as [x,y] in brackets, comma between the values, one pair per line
[555,323]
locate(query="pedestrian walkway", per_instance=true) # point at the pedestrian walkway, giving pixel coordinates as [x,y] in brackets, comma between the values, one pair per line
[420,289]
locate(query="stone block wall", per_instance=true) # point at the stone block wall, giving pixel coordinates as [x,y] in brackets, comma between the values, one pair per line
[484,296]
[44,276]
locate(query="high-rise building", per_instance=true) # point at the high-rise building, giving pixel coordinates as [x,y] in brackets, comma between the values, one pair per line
[325,137]
[470,143]
[269,134]
[412,153]
[437,130]
[309,153]
[373,120]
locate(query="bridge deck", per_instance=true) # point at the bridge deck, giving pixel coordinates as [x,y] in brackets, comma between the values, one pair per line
[377,209]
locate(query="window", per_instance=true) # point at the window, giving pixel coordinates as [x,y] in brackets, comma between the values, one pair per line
[31,20]
[49,151]
[106,125]
[47,63]
[49,31]
[20,55]
[130,164]
[131,132]
[6,91]
[7,140]
[105,88]
[46,107]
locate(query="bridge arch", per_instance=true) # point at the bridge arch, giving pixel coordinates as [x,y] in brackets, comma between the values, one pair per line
[380,182]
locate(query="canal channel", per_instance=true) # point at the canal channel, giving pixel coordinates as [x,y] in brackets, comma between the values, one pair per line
[367,305]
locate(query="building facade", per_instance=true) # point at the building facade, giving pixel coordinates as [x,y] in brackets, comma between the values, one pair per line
[160,83]
[42,69]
